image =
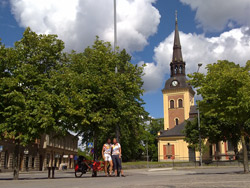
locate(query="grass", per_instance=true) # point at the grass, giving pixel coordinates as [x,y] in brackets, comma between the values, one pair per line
[150,163]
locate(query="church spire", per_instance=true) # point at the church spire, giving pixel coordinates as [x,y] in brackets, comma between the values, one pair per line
[177,64]
[177,55]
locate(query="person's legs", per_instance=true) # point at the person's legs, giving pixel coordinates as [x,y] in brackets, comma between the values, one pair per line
[114,163]
[105,167]
[117,164]
[120,166]
[110,166]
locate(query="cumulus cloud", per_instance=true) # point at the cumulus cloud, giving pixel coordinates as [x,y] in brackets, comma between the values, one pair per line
[77,22]
[214,15]
[233,45]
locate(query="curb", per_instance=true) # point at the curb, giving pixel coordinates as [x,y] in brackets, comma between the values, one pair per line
[159,169]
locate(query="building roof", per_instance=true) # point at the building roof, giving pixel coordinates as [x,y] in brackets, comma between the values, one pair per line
[193,110]
[182,83]
[176,130]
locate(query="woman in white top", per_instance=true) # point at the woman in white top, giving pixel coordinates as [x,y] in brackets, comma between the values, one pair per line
[106,155]
[116,157]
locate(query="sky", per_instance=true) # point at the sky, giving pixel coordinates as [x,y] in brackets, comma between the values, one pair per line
[209,31]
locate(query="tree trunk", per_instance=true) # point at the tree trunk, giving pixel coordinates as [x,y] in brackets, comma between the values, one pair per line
[16,161]
[95,146]
[245,155]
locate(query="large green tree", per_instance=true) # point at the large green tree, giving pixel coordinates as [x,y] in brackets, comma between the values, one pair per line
[225,91]
[213,130]
[26,108]
[104,102]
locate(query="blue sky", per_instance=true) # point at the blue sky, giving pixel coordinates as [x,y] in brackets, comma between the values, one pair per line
[145,29]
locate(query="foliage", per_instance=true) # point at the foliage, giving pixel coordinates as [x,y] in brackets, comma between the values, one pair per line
[211,129]
[151,134]
[44,90]
[85,154]
[225,90]
[25,108]
[100,99]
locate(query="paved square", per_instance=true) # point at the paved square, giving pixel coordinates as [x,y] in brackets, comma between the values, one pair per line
[230,177]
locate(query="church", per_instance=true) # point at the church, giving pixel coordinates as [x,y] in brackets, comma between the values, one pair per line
[179,106]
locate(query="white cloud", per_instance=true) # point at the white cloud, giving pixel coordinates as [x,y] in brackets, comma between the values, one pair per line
[77,22]
[233,45]
[215,15]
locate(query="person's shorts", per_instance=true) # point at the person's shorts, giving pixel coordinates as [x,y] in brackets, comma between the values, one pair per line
[107,157]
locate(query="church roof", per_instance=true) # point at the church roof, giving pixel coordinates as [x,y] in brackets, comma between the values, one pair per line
[176,130]
[182,83]
[193,110]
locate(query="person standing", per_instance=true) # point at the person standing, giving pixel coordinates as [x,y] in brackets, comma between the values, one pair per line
[106,155]
[117,157]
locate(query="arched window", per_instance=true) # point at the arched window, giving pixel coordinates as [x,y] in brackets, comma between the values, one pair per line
[172,70]
[181,69]
[180,103]
[176,69]
[176,121]
[172,104]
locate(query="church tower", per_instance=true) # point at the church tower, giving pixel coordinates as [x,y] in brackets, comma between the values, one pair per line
[178,103]
[178,95]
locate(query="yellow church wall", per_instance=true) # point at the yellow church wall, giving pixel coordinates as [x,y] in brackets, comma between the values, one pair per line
[180,148]
[182,154]
[187,102]
[165,111]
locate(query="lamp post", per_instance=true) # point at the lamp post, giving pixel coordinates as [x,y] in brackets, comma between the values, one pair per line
[199,123]
[115,27]
[116,69]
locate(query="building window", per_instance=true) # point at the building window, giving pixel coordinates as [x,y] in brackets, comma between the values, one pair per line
[33,162]
[27,162]
[230,146]
[217,147]
[169,152]
[181,69]
[172,104]
[6,159]
[180,103]
[176,121]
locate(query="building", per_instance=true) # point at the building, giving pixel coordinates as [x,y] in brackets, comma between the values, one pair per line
[45,152]
[178,104]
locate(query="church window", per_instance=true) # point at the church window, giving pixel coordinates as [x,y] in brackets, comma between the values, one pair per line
[180,103]
[176,121]
[181,69]
[172,104]
[176,69]
[168,151]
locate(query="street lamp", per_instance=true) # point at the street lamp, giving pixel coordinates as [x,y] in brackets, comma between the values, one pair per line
[199,123]
[26,151]
[116,69]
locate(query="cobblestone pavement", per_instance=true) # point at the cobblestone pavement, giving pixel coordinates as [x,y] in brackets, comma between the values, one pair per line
[230,177]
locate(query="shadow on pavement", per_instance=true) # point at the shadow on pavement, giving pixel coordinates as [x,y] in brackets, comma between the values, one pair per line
[56,178]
